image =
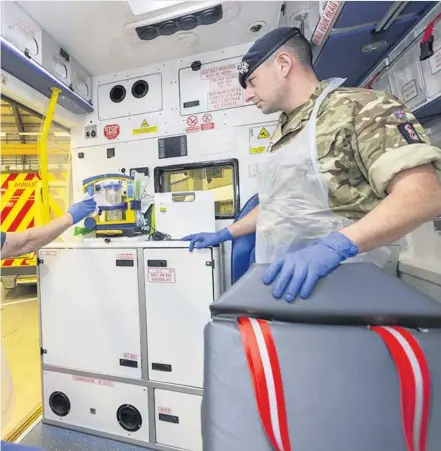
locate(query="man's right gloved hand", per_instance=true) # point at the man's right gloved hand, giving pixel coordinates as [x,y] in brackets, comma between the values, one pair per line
[201,240]
[82,209]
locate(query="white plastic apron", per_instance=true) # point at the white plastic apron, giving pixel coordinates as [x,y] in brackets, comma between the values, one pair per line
[294,206]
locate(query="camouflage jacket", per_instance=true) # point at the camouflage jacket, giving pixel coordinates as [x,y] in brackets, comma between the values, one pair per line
[364,139]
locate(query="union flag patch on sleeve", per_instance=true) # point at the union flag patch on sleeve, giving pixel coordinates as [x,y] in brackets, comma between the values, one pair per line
[409,133]
[400,114]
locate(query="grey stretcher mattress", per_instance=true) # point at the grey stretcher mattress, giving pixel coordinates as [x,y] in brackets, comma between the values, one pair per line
[341,387]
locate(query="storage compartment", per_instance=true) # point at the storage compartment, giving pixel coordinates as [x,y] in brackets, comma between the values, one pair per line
[431,68]
[178,420]
[210,87]
[90,310]
[129,97]
[81,81]
[54,60]
[21,30]
[179,289]
[407,78]
[100,405]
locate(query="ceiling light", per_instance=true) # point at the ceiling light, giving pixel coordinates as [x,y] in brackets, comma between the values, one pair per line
[139,7]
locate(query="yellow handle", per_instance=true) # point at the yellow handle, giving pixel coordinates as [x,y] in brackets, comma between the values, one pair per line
[43,154]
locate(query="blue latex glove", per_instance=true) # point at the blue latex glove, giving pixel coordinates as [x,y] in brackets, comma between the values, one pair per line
[299,271]
[201,240]
[82,209]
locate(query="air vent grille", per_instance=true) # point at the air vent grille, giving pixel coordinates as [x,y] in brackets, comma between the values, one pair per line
[184,23]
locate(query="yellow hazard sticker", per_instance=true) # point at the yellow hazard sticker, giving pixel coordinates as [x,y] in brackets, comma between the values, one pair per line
[163,209]
[145,128]
[263,134]
[257,149]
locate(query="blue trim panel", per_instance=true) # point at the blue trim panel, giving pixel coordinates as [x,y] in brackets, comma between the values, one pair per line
[107,176]
[428,112]
[359,13]
[129,225]
[28,71]
[342,55]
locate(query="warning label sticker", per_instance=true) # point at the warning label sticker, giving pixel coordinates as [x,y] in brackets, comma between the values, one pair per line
[111,131]
[145,128]
[224,90]
[435,62]
[162,275]
[263,134]
[260,137]
[91,380]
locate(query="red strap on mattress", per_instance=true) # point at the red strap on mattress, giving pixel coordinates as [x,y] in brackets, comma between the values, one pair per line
[414,376]
[267,381]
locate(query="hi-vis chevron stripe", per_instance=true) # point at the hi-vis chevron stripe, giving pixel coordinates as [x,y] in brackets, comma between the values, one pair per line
[18,209]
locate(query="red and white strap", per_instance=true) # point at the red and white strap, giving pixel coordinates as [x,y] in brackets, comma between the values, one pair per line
[414,376]
[266,377]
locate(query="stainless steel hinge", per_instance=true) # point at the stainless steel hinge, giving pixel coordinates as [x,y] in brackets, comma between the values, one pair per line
[210,263]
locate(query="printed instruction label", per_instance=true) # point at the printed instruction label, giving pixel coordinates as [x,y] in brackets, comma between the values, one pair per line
[409,91]
[129,356]
[224,90]
[162,275]
[435,62]
[125,256]
[90,380]
[259,137]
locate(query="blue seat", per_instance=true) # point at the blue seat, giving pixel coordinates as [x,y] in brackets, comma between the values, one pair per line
[242,249]
[7,446]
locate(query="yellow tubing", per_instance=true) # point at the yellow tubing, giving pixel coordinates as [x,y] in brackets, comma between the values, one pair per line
[43,154]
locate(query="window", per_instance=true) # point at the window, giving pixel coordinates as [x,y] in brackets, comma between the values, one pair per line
[221,177]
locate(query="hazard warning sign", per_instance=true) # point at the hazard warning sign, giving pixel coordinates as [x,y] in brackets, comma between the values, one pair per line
[162,275]
[263,134]
[260,137]
[145,128]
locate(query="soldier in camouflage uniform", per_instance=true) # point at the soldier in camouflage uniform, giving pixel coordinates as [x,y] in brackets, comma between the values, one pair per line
[373,159]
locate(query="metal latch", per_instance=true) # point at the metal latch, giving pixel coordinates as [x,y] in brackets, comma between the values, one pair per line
[210,263]
[40,261]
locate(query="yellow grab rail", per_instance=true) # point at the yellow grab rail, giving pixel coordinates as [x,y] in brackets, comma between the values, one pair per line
[43,154]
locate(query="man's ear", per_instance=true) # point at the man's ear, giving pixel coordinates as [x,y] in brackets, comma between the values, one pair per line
[285,62]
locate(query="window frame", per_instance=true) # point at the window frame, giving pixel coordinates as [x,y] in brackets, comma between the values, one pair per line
[233,162]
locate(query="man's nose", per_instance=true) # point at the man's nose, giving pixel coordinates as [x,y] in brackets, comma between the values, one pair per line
[248,95]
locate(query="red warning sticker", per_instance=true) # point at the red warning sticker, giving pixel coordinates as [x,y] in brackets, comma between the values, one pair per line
[192,121]
[111,131]
[162,275]
[208,126]
[192,129]
[206,117]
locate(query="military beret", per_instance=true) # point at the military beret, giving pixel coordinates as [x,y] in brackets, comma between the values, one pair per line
[262,49]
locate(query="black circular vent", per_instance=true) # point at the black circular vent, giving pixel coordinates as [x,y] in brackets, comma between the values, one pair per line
[168,28]
[129,418]
[139,89]
[117,93]
[188,22]
[211,16]
[148,33]
[59,403]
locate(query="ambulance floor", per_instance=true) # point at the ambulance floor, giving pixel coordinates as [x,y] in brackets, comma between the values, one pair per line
[20,341]
[51,438]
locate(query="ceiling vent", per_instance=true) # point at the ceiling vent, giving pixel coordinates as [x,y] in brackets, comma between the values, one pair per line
[186,22]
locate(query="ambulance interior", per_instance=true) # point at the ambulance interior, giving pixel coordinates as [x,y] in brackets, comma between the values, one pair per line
[146,94]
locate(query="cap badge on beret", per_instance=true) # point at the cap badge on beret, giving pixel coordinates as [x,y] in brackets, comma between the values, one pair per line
[243,67]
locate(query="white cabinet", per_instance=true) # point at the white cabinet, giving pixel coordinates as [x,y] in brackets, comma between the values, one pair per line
[90,310]
[178,420]
[179,288]
[97,404]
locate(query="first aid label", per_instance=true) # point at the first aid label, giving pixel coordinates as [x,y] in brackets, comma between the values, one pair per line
[162,275]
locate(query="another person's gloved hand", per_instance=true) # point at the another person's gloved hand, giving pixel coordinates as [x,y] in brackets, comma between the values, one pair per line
[201,240]
[299,271]
[82,209]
